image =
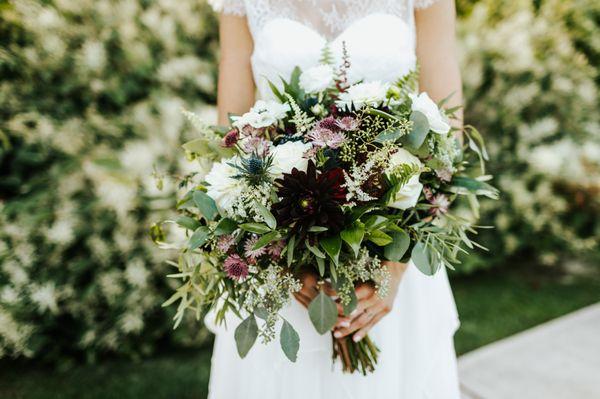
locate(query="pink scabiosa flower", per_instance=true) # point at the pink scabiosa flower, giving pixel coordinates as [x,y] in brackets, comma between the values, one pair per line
[251,253]
[231,138]
[275,249]
[348,123]
[225,242]
[235,267]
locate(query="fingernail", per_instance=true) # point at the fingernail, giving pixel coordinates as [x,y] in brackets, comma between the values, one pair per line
[345,324]
[356,338]
[355,311]
[337,334]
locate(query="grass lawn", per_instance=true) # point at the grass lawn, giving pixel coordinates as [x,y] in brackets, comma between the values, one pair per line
[492,305]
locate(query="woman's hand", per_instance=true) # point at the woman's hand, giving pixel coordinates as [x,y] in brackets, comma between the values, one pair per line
[370,308]
[311,284]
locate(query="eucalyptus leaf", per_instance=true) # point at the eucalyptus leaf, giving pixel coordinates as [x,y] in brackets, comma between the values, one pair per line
[424,259]
[199,237]
[323,313]
[187,222]
[397,248]
[206,205]
[289,340]
[245,335]
[290,250]
[419,131]
[386,136]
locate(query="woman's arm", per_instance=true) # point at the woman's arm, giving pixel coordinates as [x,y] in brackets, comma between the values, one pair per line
[236,85]
[437,55]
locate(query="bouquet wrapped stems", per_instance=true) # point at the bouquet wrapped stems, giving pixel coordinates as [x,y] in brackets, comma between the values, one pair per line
[361,355]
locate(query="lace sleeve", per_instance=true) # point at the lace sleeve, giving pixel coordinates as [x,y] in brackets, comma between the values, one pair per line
[424,3]
[231,7]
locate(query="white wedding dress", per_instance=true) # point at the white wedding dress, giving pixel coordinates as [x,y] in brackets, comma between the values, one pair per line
[417,358]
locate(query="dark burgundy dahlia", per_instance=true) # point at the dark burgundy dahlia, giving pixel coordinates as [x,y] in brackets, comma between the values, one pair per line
[310,199]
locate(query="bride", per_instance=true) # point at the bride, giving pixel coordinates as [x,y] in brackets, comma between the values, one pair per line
[414,324]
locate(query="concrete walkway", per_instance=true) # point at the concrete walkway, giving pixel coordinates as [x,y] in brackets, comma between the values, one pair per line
[556,360]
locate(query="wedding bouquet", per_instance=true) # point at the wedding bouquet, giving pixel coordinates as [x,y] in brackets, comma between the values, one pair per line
[332,178]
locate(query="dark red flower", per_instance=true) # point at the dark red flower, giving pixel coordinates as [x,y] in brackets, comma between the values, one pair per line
[230,138]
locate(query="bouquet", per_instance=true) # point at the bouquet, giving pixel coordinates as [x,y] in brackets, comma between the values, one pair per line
[333,178]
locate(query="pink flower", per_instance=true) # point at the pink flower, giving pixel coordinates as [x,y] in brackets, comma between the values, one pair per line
[255,145]
[225,242]
[235,267]
[440,204]
[322,137]
[275,249]
[347,123]
[253,254]
[328,123]
[444,174]
[230,138]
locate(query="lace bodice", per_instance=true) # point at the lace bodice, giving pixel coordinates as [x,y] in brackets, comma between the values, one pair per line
[379,35]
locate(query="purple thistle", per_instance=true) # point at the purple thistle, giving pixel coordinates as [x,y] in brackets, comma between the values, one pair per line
[253,254]
[235,267]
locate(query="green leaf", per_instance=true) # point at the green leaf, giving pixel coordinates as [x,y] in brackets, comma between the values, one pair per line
[386,136]
[257,228]
[245,335]
[425,259]
[266,215]
[323,313]
[261,313]
[315,250]
[264,240]
[379,238]
[475,186]
[396,250]
[199,237]
[353,236]
[187,222]
[206,205]
[289,340]
[321,265]
[290,250]
[207,148]
[375,221]
[317,229]
[332,245]
[419,131]
[225,226]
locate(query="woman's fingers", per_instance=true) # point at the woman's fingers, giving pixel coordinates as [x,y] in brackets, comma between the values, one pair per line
[356,324]
[364,304]
[329,290]
[360,334]
[364,291]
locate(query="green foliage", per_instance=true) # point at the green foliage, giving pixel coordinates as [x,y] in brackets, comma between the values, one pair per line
[323,313]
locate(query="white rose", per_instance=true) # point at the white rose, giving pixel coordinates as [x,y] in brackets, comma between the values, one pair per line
[427,107]
[408,195]
[317,79]
[223,188]
[262,114]
[361,94]
[288,156]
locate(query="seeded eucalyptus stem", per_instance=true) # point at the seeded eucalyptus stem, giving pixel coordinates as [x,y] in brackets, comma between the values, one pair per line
[355,356]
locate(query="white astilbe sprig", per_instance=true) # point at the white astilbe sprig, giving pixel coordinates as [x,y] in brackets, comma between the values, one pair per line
[301,120]
[360,174]
[203,128]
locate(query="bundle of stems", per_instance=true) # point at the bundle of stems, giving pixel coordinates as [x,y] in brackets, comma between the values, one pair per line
[361,355]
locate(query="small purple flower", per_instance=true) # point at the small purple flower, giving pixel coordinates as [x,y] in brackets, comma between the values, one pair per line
[230,138]
[235,267]
[322,137]
[255,145]
[225,242]
[253,254]
[329,123]
[348,123]
[275,249]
